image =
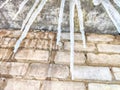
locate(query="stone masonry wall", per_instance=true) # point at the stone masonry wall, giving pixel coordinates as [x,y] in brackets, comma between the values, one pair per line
[96,19]
[41,65]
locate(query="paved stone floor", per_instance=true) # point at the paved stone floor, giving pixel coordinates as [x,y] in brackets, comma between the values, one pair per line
[41,65]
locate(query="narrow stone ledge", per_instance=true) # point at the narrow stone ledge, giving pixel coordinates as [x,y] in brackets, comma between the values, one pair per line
[14,84]
[103,59]
[61,85]
[32,55]
[64,58]
[108,48]
[94,86]
[92,73]
[79,47]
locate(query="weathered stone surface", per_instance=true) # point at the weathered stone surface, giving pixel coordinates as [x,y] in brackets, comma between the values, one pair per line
[64,58]
[117,39]
[99,38]
[79,47]
[4,33]
[15,34]
[103,59]
[94,86]
[12,42]
[14,68]
[58,71]
[3,22]
[66,36]
[30,35]
[54,85]
[18,68]
[4,68]
[11,33]
[26,43]
[5,42]
[8,42]
[42,71]
[92,73]
[33,65]
[1,41]
[15,84]
[3,83]
[96,19]
[23,54]
[38,71]
[46,44]
[109,48]
[116,72]
[45,35]
[5,53]
[99,22]
[32,55]
[33,43]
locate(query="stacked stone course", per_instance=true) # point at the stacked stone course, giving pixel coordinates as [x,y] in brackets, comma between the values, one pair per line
[41,65]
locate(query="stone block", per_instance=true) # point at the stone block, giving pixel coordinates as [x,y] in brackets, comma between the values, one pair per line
[16,84]
[64,58]
[61,85]
[94,86]
[79,47]
[92,73]
[108,48]
[103,59]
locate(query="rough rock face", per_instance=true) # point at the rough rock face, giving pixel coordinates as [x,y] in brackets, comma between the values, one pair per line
[96,19]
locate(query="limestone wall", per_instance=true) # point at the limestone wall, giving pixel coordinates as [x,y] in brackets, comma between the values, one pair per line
[96,19]
[41,65]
